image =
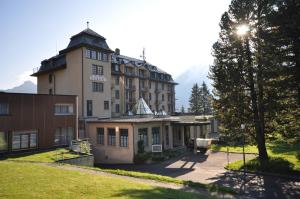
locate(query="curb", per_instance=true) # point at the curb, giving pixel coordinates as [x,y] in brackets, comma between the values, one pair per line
[235,152]
[266,174]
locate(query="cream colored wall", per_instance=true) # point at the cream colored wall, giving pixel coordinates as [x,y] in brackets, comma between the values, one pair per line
[111,154]
[43,85]
[68,81]
[98,98]
[65,81]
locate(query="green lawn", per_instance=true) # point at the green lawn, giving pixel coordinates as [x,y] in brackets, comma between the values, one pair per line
[47,156]
[26,180]
[282,157]
[156,177]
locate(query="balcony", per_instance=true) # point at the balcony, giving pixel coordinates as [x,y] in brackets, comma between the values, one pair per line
[131,87]
[130,74]
[145,88]
[158,90]
[131,100]
[143,76]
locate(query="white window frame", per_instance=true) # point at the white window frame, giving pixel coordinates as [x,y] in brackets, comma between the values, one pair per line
[70,108]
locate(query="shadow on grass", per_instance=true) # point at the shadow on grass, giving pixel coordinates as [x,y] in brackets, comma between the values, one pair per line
[275,165]
[157,193]
[259,186]
[280,147]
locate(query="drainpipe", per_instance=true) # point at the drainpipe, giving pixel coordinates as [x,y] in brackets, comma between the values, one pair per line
[133,145]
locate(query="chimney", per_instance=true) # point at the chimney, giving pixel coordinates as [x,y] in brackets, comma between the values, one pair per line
[117,51]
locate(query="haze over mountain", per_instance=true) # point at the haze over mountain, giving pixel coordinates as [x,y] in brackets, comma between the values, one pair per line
[186,81]
[26,87]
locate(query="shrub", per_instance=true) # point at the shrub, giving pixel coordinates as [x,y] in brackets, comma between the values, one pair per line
[141,158]
[158,158]
[141,147]
[298,155]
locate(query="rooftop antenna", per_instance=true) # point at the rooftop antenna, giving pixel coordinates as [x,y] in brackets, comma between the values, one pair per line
[87,24]
[144,55]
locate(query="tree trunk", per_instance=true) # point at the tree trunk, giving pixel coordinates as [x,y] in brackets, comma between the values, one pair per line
[257,115]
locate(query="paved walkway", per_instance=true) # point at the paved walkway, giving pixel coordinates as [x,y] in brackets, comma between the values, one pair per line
[209,168]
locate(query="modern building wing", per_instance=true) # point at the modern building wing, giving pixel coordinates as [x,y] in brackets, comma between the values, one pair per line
[35,122]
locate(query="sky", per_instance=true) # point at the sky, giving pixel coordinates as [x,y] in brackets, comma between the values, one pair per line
[177,35]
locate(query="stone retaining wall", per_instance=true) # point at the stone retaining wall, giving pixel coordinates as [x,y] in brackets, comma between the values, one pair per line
[86,160]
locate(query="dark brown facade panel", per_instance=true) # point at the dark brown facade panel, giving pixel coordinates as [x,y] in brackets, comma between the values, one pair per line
[29,112]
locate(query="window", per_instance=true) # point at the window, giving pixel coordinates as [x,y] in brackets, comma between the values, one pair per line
[97,70]
[24,140]
[163,97]
[117,108]
[111,137]
[155,135]
[150,96]
[63,109]
[104,57]
[163,107]
[117,94]
[3,141]
[143,135]
[88,53]
[167,135]
[117,67]
[50,91]
[117,81]
[89,107]
[99,57]
[123,137]
[50,78]
[106,105]
[97,87]
[94,54]
[63,136]
[100,136]
[4,108]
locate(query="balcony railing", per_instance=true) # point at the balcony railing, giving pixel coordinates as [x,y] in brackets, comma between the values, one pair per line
[130,73]
[131,87]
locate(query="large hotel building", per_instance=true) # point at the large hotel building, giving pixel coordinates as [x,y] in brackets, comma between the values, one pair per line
[107,83]
[121,100]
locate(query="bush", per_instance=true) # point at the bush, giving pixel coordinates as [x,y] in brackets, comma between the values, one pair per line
[274,165]
[141,147]
[158,158]
[141,158]
[298,155]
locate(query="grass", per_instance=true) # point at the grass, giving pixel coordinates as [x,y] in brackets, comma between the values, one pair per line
[167,179]
[46,156]
[283,157]
[27,180]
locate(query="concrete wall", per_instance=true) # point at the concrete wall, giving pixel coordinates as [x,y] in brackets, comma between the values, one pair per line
[86,160]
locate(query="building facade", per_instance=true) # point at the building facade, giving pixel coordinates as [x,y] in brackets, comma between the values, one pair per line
[107,84]
[35,121]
